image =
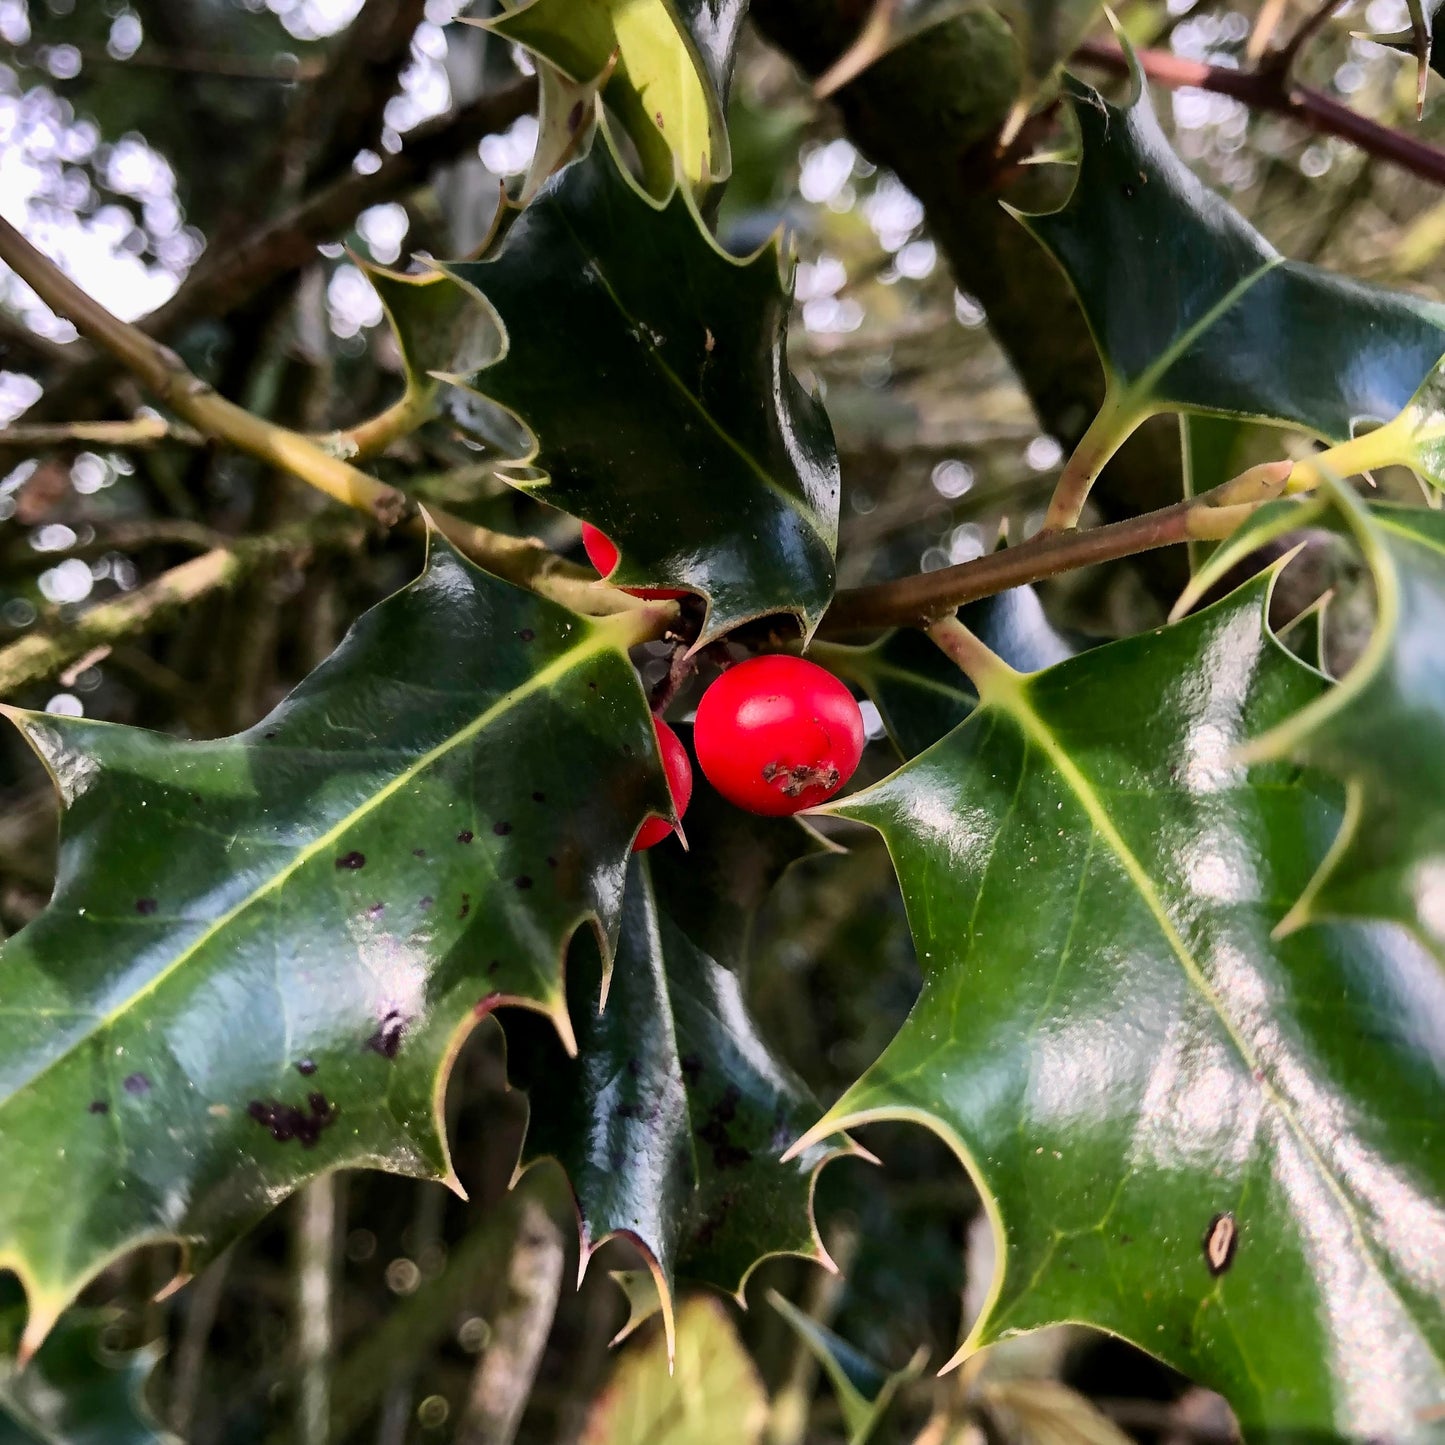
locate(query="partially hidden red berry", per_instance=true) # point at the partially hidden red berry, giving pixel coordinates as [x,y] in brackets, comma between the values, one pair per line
[778,734]
[602,553]
[679,781]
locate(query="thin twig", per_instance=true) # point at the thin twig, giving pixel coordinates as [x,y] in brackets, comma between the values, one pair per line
[503,1381]
[1264,91]
[141,431]
[1281,63]
[43,654]
[315,1278]
[919,600]
[523,561]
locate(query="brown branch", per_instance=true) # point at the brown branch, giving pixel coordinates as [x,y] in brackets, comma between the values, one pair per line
[42,654]
[920,600]
[1267,90]
[521,560]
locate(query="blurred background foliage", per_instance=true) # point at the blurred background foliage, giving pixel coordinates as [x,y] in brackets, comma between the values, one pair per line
[145,141]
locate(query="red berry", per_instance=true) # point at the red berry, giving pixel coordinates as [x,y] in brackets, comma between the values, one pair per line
[778,734]
[602,553]
[679,781]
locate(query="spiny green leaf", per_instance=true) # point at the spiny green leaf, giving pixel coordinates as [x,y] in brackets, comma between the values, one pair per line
[673,1118]
[670,70]
[1047,31]
[1382,733]
[263,952]
[1217,1144]
[73,1392]
[650,367]
[709,1394]
[919,693]
[1192,309]
[864,1390]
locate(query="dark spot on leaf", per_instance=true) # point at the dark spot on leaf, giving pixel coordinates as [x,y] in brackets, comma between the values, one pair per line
[539,797]
[418,852]
[501,829]
[465,836]
[99,1106]
[287,1121]
[376,910]
[522,881]
[269,733]
[425,902]
[551,861]
[691,1068]
[1221,1239]
[627,749]
[306,1067]
[634,1067]
[386,1041]
[526,634]
[196,798]
[145,906]
[726,1108]
[493,966]
[574,116]
[1126,1239]
[466,907]
[351,860]
[592,686]
[136,1084]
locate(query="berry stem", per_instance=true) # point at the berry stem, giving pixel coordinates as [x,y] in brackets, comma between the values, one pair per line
[985,669]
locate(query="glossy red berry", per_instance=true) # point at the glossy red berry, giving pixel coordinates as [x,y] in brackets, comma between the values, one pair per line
[778,734]
[602,553]
[679,781]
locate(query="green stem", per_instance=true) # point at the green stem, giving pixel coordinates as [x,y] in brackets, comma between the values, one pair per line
[1109,430]
[984,668]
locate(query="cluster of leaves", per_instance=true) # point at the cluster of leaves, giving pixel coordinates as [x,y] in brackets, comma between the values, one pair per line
[1179,901]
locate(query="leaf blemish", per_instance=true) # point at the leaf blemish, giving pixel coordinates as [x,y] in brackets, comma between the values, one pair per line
[136,1084]
[466,907]
[526,634]
[287,1122]
[376,910]
[1221,1239]
[99,1106]
[351,860]
[306,1067]
[522,881]
[418,852]
[425,902]
[465,836]
[145,906]
[539,797]
[501,829]
[386,1041]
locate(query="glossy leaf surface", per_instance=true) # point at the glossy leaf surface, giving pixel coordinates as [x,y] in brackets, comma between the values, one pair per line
[672,1121]
[919,693]
[1191,308]
[650,367]
[262,952]
[1186,1132]
[1382,733]
[73,1392]
[709,1395]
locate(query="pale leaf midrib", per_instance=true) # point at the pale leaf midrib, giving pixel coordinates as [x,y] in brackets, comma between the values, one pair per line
[574,657]
[1034,728]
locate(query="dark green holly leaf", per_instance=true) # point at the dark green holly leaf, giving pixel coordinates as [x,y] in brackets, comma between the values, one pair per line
[74,1392]
[650,367]
[1048,31]
[263,952]
[1192,309]
[672,1121]
[664,68]
[1381,731]
[1212,1142]
[919,693]
[865,1390]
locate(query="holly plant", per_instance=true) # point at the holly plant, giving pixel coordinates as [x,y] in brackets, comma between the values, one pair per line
[635,724]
